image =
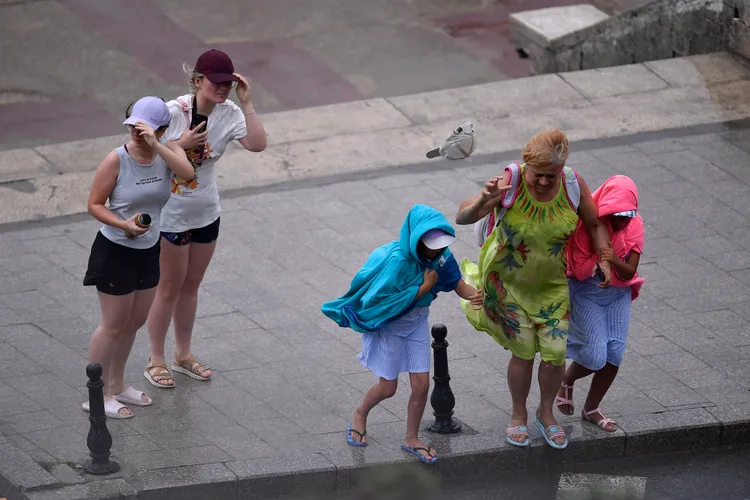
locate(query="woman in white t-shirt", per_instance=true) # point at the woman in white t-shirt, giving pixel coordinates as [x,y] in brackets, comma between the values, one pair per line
[203,123]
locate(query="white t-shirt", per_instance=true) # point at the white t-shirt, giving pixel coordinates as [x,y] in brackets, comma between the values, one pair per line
[195,203]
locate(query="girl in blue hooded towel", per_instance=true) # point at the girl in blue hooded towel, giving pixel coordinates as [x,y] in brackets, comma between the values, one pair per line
[388,302]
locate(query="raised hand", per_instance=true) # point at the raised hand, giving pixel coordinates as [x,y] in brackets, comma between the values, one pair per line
[147,133]
[492,190]
[243,89]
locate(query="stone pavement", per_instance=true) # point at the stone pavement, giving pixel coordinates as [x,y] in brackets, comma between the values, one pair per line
[617,6]
[83,61]
[272,419]
[357,137]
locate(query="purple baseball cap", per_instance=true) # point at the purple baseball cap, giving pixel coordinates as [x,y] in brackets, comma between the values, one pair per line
[435,239]
[150,110]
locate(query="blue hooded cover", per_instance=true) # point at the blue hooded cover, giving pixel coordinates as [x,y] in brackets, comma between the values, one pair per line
[387,284]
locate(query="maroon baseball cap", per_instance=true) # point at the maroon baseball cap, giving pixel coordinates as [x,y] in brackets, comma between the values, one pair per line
[216,66]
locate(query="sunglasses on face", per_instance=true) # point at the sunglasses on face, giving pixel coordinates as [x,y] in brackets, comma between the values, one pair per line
[222,84]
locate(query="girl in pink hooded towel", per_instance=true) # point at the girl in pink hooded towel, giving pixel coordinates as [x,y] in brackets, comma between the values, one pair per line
[600,317]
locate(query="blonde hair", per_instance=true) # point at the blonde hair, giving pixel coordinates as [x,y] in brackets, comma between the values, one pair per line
[191,75]
[548,147]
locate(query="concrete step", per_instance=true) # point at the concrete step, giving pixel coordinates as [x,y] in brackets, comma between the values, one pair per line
[533,31]
[579,37]
[362,136]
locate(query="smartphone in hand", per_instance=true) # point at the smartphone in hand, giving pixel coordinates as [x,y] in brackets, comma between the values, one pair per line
[599,273]
[197,120]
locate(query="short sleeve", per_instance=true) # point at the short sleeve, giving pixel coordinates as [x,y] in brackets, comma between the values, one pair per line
[177,124]
[634,235]
[449,274]
[239,129]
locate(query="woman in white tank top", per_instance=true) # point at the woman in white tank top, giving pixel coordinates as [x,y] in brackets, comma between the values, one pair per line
[130,187]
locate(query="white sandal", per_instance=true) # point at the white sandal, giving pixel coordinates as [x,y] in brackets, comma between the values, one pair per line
[111,409]
[133,396]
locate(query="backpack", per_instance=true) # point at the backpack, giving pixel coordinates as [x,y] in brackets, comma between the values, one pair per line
[483,228]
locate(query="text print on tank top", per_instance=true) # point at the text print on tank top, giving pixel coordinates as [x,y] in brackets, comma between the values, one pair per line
[139,189]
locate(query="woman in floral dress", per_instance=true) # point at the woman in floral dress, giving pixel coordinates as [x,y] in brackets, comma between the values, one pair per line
[534,209]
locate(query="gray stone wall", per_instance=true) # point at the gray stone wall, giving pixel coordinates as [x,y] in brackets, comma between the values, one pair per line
[739,35]
[659,30]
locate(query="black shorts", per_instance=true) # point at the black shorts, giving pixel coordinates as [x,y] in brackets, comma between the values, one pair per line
[206,234]
[119,270]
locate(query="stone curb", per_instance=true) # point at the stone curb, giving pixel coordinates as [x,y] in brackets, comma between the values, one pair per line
[477,161]
[323,473]
[364,136]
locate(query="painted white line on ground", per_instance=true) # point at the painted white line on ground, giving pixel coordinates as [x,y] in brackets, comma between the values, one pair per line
[599,486]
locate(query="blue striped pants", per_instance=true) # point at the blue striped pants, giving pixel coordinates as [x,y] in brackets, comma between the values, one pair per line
[599,321]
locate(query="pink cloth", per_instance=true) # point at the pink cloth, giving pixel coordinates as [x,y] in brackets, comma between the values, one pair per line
[617,194]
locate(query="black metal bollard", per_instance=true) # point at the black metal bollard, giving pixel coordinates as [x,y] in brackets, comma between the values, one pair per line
[99,440]
[442,399]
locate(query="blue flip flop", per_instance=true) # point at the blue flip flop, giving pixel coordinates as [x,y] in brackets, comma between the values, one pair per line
[551,432]
[415,451]
[350,439]
[521,429]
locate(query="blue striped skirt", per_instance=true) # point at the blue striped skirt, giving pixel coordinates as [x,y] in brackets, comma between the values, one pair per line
[599,321]
[401,347]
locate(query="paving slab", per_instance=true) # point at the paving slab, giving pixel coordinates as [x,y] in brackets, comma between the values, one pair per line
[734,421]
[101,490]
[22,164]
[213,481]
[607,82]
[286,374]
[384,134]
[700,69]
[678,430]
[533,30]
[19,472]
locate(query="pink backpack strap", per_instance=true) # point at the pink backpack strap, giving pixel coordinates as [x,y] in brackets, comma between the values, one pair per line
[184,107]
[483,228]
[509,198]
[515,179]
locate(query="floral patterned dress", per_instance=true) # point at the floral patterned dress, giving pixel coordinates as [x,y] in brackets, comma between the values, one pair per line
[521,269]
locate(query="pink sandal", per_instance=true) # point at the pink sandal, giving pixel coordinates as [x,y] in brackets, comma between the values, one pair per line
[567,400]
[520,430]
[603,423]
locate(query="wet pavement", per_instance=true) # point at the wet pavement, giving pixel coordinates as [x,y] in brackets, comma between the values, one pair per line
[286,378]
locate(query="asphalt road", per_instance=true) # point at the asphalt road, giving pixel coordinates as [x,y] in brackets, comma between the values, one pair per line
[69,68]
[720,474]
